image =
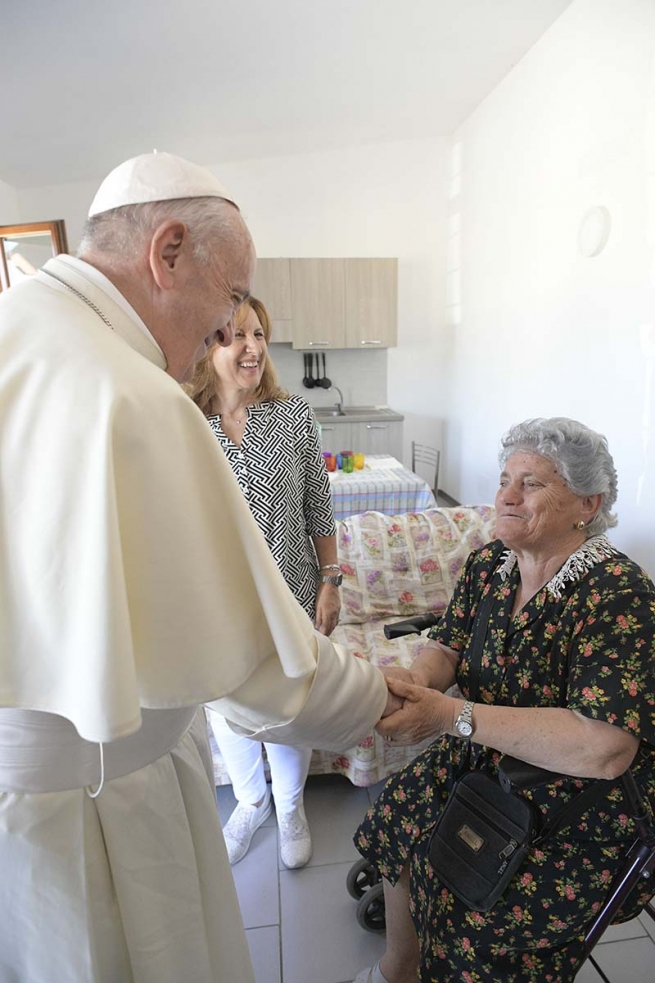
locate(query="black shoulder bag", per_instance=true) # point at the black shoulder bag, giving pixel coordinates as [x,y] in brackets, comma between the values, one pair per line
[486,828]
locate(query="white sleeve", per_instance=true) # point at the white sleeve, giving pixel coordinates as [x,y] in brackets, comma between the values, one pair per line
[334,708]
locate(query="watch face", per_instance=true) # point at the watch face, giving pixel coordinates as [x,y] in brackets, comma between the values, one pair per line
[464,728]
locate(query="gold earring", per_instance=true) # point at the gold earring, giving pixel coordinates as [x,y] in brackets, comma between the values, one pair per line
[579,525]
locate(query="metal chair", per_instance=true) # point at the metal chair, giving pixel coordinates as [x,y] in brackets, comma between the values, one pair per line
[639,865]
[430,458]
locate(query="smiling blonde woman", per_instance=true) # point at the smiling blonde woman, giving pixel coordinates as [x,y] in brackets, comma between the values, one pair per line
[271,441]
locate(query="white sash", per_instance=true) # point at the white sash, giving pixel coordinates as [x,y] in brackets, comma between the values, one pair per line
[42,752]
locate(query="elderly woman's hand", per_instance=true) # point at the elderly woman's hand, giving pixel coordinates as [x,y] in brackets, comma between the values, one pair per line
[328,606]
[424,713]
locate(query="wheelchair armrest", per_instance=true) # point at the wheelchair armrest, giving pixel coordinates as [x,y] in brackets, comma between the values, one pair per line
[411,626]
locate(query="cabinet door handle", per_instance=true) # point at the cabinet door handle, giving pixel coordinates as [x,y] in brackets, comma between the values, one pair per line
[319,344]
[323,427]
[369,341]
[377,426]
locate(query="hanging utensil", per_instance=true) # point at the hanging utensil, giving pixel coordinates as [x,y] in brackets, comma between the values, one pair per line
[325,382]
[308,381]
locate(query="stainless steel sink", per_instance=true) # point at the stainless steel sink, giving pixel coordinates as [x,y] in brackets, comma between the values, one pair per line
[334,412]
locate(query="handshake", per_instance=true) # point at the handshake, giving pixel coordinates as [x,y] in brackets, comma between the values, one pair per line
[395,702]
[413,711]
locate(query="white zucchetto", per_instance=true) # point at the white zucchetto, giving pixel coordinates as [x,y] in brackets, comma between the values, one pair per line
[155,177]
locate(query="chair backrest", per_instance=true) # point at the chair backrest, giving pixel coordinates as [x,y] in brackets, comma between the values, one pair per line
[428,458]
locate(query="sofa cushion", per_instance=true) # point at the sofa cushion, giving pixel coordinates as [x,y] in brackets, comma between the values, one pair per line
[401,565]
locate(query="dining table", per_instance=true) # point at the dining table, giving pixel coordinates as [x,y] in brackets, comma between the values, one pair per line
[382,485]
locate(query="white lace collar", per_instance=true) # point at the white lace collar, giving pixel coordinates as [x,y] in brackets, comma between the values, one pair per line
[593,551]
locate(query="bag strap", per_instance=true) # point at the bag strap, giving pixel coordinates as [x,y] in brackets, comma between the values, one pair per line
[481,621]
[574,808]
[479,635]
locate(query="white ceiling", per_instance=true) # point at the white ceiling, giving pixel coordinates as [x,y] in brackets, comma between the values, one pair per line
[88,83]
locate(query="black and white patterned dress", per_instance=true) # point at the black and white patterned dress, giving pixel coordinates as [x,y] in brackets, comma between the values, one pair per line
[281,471]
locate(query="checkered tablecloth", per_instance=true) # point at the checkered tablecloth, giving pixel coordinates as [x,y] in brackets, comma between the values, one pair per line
[384,485]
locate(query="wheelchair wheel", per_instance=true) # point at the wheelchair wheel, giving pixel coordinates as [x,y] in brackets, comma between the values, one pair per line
[361,876]
[370,909]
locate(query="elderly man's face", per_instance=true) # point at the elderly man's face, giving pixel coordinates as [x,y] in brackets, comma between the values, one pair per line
[216,292]
[227,281]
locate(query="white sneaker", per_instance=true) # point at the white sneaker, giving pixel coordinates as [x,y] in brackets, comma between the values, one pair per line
[295,838]
[242,824]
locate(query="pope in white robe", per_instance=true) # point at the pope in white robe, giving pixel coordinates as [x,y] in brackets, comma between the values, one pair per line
[134,587]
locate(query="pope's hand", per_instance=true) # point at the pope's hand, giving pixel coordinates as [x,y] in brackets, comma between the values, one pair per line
[397,672]
[394,703]
[422,713]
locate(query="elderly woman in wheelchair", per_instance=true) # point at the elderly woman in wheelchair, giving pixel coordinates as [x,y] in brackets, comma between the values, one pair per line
[550,637]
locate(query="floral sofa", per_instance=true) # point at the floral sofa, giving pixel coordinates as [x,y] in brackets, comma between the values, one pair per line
[393,567]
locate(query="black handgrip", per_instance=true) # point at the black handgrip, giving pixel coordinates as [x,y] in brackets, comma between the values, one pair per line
[411,626]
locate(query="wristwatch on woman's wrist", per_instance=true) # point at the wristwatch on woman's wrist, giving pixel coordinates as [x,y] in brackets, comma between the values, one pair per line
[464,723]
[336,580]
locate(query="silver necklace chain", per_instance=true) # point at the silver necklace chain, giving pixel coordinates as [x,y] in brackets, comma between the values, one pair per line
[103,317]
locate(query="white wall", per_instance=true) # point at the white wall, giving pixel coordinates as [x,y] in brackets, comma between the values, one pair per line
[375,200]
[59,201]
[544,330]
[9,209]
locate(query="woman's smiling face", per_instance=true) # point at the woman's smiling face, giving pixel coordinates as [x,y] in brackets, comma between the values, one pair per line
[535,508]
[241,364]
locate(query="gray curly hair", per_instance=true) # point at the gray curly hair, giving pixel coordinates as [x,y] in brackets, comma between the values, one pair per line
[580,454]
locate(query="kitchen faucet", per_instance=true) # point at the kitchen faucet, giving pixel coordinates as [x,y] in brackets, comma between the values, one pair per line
[340,411]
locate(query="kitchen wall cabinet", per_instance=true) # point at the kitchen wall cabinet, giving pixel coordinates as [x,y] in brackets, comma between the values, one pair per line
[371,303]
[273,287]
[317,302]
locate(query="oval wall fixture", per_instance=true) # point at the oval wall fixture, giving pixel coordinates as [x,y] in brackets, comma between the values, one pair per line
[594,231]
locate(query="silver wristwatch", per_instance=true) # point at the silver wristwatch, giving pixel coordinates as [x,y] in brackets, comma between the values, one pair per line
[331,580]
[464,723]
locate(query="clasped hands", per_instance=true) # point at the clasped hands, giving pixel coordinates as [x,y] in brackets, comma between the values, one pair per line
[413,712]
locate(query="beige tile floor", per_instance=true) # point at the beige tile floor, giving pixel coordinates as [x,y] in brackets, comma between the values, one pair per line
[301,924]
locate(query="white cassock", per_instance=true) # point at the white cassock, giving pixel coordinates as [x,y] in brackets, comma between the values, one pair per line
[134,586]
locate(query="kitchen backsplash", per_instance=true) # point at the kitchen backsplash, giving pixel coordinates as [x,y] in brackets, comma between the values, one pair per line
[361,376]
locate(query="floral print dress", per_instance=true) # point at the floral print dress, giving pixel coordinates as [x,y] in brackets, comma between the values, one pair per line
[589,645]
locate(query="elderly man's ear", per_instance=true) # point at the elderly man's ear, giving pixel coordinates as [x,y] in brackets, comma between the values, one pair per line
[170,250]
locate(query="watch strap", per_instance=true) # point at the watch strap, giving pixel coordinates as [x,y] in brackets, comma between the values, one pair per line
[337,580]
[466,716]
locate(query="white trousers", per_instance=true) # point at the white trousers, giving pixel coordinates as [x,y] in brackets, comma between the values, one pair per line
[244,761]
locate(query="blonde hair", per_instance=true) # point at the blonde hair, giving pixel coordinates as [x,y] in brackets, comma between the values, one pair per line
[205,387]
